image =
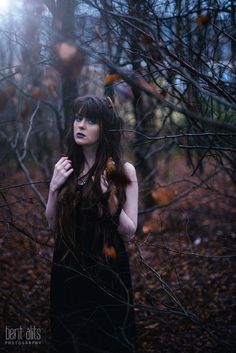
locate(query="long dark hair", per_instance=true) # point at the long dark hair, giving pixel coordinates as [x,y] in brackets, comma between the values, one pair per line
[109,149]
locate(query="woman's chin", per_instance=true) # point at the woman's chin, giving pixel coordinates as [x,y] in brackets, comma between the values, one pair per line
[79,141]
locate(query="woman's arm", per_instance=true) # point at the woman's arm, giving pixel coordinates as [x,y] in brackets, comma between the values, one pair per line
[129,214]
[62,170]
[51,208]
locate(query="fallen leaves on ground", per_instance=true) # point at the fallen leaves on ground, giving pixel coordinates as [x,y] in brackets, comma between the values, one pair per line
[182,262]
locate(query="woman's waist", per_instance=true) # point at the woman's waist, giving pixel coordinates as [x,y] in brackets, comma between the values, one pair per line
[91,249]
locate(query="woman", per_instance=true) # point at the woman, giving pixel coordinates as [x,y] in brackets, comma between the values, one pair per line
[92,207]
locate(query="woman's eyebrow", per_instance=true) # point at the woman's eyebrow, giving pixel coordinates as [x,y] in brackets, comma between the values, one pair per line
[80,115]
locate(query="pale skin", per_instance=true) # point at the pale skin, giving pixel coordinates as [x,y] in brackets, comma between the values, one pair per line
[63,168]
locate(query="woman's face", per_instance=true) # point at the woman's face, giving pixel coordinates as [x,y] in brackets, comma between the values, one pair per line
[86,130]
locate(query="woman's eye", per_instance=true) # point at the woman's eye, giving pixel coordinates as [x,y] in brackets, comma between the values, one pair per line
[92,121]
[78,117]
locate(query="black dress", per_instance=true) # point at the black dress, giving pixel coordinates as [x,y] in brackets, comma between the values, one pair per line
[91,299]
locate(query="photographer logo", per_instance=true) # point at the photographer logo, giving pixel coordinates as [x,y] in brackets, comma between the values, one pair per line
[22,336]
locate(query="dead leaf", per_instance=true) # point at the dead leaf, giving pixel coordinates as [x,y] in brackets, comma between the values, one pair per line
[111,78]
[150,226]
[203,20]
[119,178]
[109,251]
[36,92]
[110,166]
[149,86]
[162,196]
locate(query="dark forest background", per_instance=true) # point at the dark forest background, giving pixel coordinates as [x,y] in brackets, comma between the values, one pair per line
[170,67]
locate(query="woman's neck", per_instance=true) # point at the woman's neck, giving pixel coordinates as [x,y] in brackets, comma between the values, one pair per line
[89,155]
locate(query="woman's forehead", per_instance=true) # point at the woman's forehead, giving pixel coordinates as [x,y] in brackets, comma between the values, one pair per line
[87,111]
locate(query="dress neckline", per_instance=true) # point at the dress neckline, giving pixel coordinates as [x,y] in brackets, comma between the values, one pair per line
[78,186]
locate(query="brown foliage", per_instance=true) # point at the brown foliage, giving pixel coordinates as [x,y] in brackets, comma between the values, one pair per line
[182,264]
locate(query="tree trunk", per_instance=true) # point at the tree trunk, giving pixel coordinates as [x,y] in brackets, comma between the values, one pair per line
[66,33]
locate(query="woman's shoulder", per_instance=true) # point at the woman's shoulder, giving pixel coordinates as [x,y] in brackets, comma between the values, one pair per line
[127,164]
[129,168]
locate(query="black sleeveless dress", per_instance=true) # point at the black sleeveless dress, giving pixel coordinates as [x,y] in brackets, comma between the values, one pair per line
[91,299]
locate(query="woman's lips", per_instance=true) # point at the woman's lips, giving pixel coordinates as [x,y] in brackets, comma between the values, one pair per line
[80,134]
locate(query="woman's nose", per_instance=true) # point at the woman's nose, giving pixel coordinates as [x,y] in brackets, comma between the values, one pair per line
[82,123]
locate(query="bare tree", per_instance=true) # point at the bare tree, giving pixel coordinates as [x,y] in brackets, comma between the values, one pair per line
[174,64]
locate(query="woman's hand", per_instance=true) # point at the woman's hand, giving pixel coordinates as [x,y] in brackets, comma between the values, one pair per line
[62,170]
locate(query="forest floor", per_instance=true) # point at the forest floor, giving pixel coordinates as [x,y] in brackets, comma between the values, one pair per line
[182,261]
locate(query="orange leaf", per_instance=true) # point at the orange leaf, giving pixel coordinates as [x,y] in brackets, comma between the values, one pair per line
[112,78]
[110,166]
[117,177]
[109,251]
[149,86]
[162,196]
[150,226]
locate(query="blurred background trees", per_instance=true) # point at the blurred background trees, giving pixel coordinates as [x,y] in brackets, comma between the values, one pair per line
[170,67]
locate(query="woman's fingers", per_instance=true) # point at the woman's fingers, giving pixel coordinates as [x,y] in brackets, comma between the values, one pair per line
[69,172]
[67,165]
[61,160]
[67,168]
[66,162]
[63,163]
[63,168]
